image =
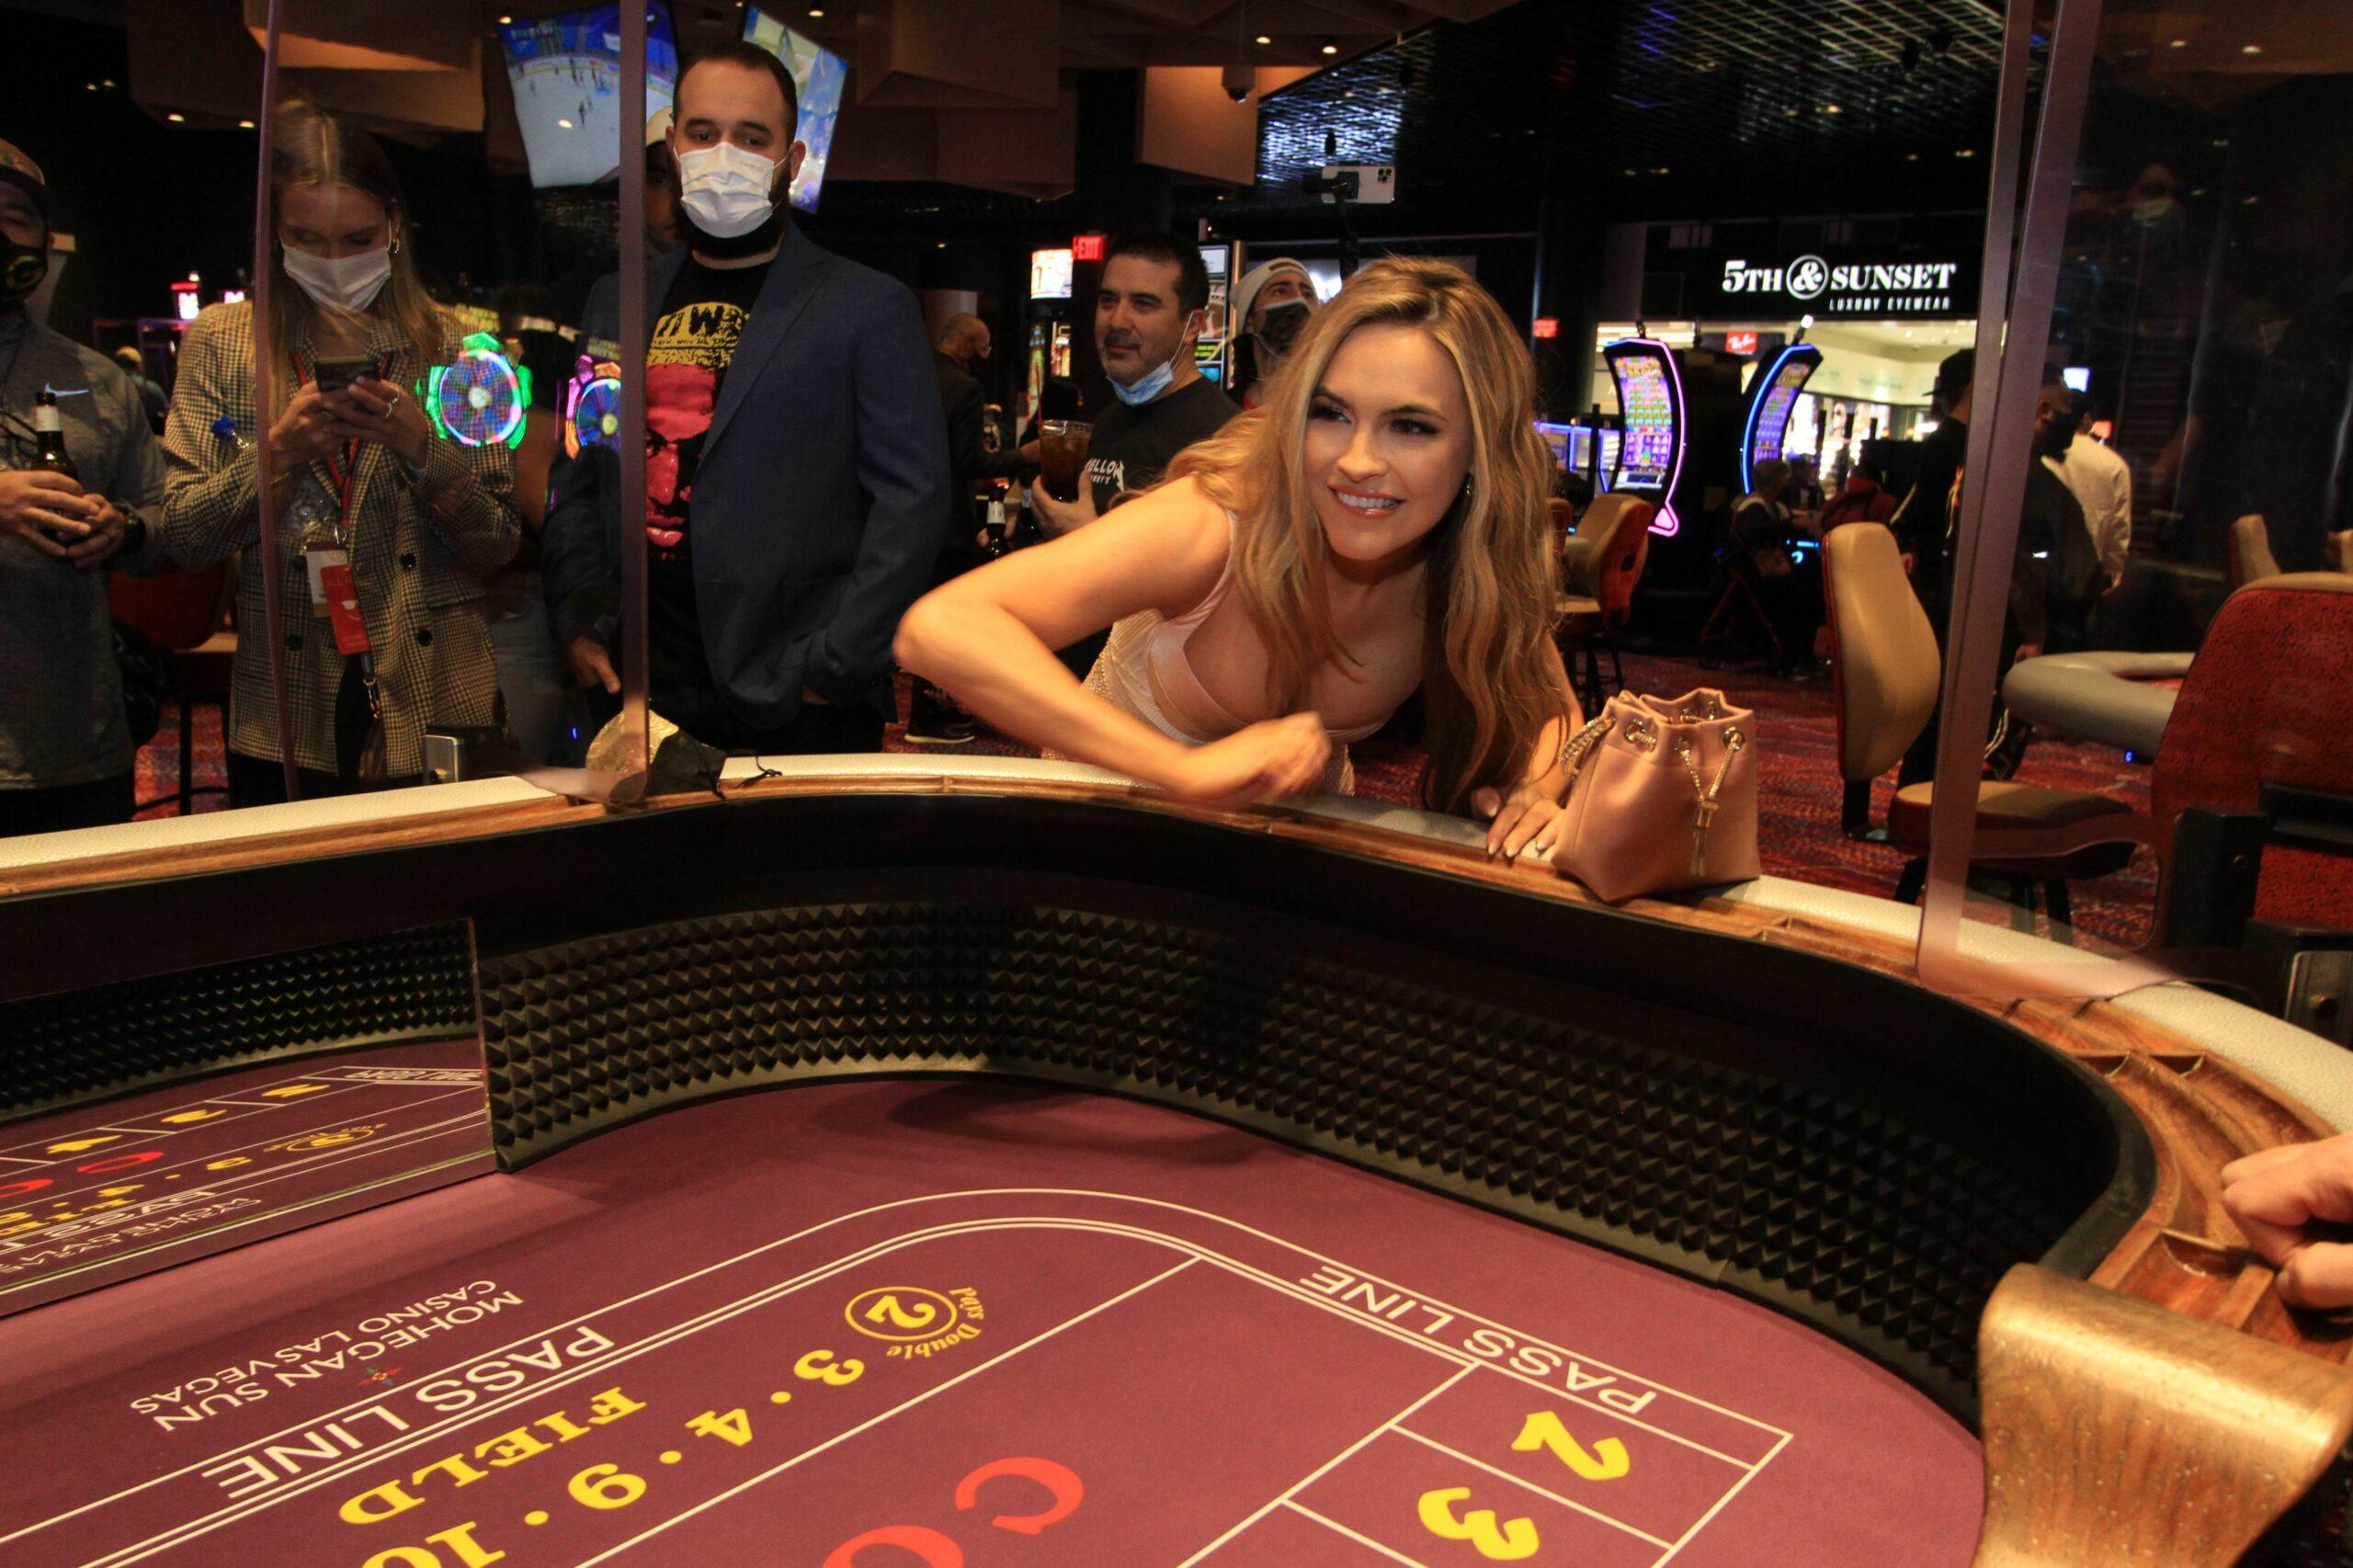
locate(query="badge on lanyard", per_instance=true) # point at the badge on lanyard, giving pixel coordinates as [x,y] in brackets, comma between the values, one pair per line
[317,559]
[343,604]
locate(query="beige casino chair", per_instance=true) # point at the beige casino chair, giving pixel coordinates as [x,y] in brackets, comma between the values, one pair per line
[1885,676]
[1601,564]
[2251,557]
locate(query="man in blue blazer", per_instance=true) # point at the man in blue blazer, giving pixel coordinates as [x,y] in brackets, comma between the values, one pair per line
[796,453]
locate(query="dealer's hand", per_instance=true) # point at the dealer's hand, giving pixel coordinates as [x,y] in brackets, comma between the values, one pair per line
[1060,517]
[591,665]
[372,410]
[45,509]
[1527,818]
[1273,760]
[2282,1199]
[105,538]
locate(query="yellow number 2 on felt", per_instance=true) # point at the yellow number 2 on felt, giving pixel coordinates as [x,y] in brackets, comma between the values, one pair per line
[1606,1461]
[888,1309]
[1515,1539]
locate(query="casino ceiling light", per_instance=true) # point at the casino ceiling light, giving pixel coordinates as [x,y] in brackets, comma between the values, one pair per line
[2178,43]
[2250,49]
[1330,45]
[1965,152]
[176,118]
[563,125]
[1263,38]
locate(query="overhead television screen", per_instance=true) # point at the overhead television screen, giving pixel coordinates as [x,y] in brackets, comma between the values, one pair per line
[818,74]
[566,72]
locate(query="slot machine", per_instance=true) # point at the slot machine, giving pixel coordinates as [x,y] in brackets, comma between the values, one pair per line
[1770,399]
[1651,423]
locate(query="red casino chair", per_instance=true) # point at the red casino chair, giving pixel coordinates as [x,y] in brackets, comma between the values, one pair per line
[2263,708]
[185,614]
[1887,671]
[1600,565]
[1739,599]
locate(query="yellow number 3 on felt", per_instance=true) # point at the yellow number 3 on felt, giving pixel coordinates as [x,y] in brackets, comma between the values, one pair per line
[1606,1461]
[1515,1539]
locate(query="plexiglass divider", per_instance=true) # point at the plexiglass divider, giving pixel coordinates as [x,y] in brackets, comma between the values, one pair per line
[2031,185]
[264,465]
[627,782]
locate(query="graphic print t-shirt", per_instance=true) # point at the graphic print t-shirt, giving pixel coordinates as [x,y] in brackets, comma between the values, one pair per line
[1132,446]
[693,343]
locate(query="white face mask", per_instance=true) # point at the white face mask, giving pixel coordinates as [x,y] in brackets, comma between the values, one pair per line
[351,282]
[725,189]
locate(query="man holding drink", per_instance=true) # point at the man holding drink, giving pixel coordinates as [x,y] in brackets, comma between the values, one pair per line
[1153,304]
[80,475]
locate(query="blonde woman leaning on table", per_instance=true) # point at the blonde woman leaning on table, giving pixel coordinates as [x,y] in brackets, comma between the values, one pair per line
[358,471]
[1379,525]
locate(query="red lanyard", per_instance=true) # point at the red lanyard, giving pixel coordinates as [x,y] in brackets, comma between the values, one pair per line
[340,475]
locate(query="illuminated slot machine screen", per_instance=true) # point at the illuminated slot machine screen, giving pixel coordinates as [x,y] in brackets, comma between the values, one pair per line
[1650,403]
[1772,397]
[1556,439]
[1572,446]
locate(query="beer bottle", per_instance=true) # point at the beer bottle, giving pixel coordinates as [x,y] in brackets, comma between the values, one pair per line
[48,438]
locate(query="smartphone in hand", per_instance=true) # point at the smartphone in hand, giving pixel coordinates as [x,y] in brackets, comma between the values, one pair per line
[336,374]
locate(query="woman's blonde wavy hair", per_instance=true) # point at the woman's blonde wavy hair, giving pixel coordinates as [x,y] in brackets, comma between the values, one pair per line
[311,146]
[1488,681]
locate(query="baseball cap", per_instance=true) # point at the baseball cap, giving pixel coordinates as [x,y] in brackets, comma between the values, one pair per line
[22,171]
[1245,294]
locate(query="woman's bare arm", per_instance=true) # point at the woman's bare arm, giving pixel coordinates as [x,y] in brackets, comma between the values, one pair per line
[989,638]
[1530,812]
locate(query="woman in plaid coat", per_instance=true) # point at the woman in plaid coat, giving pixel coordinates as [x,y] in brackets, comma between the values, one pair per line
[360,479]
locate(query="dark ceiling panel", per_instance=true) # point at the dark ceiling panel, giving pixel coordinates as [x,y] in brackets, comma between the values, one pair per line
[1690,108]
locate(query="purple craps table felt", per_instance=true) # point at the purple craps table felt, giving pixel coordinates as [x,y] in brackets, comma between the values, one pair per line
[923,1323]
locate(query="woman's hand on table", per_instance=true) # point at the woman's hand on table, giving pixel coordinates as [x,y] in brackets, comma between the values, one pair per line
[373,410]
[2292,1202]
[1276,759]
[1527,818]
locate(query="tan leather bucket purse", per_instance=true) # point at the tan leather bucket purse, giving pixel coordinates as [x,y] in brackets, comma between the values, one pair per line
[1663,796]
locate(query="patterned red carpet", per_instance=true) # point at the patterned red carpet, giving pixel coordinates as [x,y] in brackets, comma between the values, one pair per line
[1797,803]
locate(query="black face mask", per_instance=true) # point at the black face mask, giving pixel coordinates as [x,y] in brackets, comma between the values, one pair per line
[749,243]
[21,269]
[1281,326]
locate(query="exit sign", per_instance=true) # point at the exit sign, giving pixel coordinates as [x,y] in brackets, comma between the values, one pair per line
[1548,327]
[1740,343]
[1086,247]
